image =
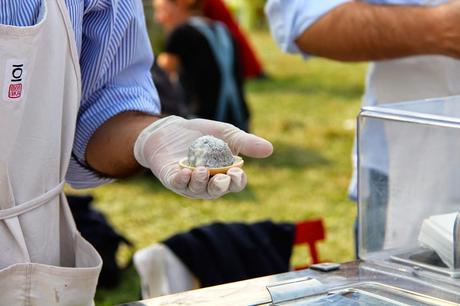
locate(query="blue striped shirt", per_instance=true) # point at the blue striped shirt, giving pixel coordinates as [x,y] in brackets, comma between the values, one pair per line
[115,60]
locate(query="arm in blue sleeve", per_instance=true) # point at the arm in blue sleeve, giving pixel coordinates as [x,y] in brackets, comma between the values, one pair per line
[115,62]
[288,19]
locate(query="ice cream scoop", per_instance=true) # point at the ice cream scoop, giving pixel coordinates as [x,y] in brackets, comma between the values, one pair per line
[212,153]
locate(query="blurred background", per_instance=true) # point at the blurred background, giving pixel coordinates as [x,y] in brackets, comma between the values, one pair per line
[307,109]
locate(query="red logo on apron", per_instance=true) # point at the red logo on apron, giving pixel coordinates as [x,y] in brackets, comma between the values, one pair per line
[14,86]
[15,91]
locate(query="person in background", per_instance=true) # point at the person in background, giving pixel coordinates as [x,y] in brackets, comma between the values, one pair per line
[170,93]
[250,64]
[414,46]
[202,55]
[78,105]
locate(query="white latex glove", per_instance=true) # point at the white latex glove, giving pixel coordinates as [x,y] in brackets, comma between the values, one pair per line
[164,143]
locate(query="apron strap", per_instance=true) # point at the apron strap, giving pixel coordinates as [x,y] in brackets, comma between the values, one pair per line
[6,190]
[221,46]
[11,216]
[32,204]
[14,226]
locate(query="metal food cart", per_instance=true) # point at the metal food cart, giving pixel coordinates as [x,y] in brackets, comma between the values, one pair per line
[409,170]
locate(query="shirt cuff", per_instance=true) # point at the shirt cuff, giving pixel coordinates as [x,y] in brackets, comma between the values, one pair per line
[288,20]
[79,176]
[102,106]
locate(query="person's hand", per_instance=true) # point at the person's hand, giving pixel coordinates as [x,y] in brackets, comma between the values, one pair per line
[161,145]
[168,62]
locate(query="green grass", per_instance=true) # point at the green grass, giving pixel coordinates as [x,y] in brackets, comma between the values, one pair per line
[307,109]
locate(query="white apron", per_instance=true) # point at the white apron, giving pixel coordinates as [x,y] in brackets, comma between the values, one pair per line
[43,259]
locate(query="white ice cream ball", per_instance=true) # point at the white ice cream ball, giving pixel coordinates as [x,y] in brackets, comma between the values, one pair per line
[211,152]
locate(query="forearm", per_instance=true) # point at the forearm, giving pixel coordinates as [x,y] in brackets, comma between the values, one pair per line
[110,149]
[357,31]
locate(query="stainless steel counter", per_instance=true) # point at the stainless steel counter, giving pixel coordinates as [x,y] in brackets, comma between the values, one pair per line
[359,281]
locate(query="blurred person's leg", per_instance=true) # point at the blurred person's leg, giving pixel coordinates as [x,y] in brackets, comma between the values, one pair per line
[375,212]
[378,203]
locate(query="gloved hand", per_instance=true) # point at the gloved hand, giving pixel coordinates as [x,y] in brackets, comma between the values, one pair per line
[165,142]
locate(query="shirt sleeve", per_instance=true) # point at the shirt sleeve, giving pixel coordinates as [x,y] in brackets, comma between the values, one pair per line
[288,19]
[115,62]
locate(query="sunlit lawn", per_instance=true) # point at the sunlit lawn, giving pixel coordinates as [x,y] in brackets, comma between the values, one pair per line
[307,109]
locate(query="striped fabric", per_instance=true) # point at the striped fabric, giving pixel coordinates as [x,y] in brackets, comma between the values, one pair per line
[115,59]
